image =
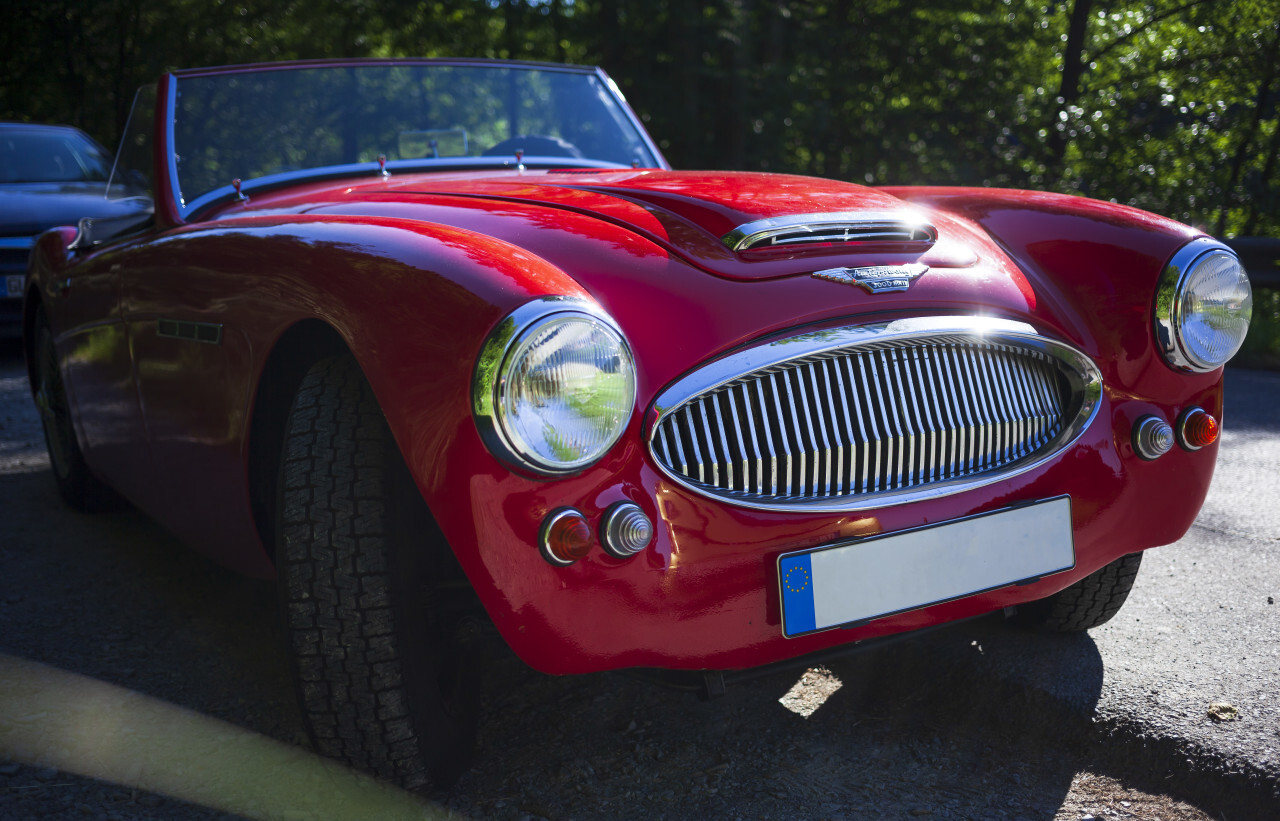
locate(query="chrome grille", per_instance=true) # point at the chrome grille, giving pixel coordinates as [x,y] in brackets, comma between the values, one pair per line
[879,419]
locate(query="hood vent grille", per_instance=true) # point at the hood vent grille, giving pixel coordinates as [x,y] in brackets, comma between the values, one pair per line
[839,228]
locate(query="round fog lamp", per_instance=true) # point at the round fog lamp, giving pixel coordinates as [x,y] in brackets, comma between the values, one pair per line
[1197,429]
[625,530]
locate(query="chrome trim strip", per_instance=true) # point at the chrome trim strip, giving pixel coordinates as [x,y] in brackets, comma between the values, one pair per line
[640,130]
[835,226]
[1004,417]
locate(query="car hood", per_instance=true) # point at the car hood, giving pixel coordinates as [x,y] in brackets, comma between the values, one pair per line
[698,216]
[31,208]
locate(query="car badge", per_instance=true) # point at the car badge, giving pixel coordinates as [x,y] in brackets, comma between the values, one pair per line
[879,279]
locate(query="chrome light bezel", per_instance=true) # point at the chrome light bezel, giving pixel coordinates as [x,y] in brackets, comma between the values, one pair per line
[492,369]
[1167,312]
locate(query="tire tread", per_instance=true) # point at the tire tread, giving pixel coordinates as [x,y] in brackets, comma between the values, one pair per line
[337,602]
[1089,603]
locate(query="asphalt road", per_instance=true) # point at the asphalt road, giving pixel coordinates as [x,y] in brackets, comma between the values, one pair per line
[1201,627]
[139,681]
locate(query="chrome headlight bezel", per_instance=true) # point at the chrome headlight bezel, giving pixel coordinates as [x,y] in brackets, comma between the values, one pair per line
[1179,350]
[492,385]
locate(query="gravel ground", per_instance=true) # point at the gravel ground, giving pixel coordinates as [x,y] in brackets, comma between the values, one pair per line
[157,651]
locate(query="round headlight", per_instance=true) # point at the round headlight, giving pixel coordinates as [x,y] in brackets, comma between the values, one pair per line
[1203,306]
[563,388]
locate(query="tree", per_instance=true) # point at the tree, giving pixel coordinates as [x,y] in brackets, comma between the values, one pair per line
[1169,105]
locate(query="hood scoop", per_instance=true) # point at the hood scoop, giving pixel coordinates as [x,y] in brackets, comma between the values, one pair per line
[738,225]
[833,230]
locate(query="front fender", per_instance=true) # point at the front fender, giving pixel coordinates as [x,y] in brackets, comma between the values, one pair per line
[49,256]
[1093,266]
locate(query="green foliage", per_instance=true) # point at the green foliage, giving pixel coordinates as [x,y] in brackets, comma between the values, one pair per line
[1262,346]
[1168,105]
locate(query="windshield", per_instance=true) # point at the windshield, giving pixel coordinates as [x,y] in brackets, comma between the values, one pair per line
[31,155]
[131,175]
[254,124]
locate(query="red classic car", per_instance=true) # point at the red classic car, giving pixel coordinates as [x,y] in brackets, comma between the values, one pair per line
[444,343]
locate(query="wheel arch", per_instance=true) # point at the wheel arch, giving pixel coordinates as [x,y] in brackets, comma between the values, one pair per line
[301,346]
[297,349]
[31,308]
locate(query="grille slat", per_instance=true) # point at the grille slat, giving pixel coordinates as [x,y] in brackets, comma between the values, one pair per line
[781,420]
[929,469]
[804,425]
[724,442]
[871,421]
[1025,393]
[697,453]
[768,441]
[859,437]
[912,412]
[833,419]
[1010,399]
[848,457]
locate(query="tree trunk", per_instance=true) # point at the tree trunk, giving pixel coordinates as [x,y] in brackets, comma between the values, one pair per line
[1069,88]
[1262,104]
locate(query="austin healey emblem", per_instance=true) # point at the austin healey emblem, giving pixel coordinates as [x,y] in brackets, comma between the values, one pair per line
[880,279]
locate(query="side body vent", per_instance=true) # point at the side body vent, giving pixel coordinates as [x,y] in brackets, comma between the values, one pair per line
[869,416]
[837,228]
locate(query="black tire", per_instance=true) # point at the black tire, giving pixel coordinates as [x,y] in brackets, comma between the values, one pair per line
[78,487]
[1088,603]
[385,683]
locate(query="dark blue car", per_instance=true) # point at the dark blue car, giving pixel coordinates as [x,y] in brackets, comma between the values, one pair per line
[49,176]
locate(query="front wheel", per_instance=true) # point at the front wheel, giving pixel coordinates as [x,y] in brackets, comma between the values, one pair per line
[1088,603]
[385,683]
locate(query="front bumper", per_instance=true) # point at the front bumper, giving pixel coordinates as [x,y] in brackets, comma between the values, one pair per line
[705,595]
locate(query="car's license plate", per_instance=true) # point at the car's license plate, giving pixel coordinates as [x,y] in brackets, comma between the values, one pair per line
[853,582]
[13,285]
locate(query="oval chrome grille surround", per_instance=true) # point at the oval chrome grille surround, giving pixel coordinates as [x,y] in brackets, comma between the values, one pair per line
[867,416]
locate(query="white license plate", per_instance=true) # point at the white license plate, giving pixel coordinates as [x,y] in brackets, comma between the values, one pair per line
[13,284]
[854,582]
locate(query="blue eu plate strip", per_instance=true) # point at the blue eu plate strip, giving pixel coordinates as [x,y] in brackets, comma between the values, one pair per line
[796,574]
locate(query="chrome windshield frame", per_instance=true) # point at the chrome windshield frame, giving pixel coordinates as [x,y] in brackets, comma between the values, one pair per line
[188,209]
